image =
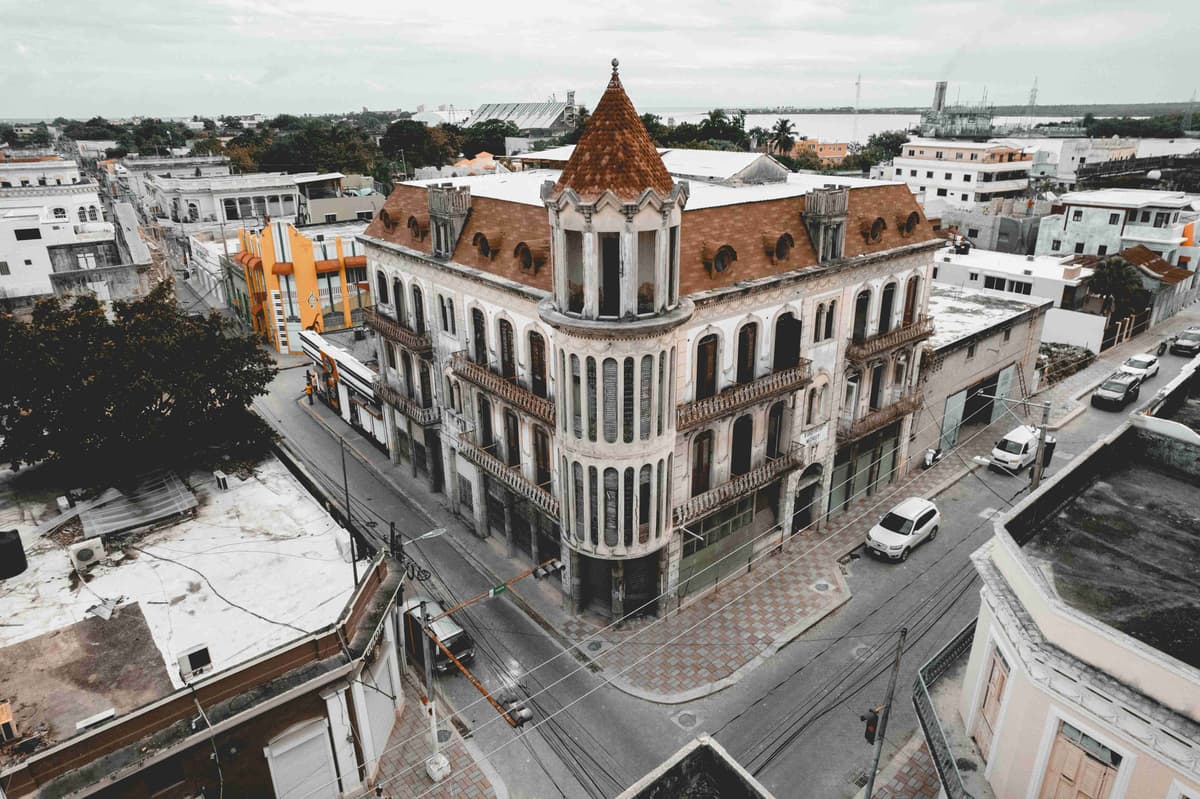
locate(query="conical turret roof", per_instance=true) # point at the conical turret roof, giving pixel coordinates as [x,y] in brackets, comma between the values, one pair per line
[615,152]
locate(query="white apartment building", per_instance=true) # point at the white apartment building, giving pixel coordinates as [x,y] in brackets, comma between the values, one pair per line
[1106,221]
[1081,675]
[1045,276]
[958,173]
[235,200]
[639,374]
[1060,158]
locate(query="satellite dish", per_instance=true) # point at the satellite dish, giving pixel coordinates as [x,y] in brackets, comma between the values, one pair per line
[1154,174]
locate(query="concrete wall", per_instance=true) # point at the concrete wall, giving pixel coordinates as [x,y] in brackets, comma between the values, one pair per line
[344,209]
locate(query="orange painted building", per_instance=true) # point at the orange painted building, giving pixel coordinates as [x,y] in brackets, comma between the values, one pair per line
[303,279]
[830,153]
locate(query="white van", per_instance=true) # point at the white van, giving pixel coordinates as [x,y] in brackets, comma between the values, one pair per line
[1016,450]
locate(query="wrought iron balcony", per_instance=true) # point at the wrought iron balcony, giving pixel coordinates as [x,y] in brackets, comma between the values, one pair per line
[852,431]
[419,343]
[940,748]
[703,504]
[510,476]
[393,396]
[734,398]
[880,343]
[505,388]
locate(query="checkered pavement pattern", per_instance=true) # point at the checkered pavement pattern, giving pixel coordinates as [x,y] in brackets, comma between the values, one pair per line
[402,767]
[909,775]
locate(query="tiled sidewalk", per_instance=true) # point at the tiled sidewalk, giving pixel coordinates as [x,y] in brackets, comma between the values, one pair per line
[910,774]
[402,768]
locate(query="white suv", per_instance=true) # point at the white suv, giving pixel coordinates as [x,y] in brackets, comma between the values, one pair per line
[903,527]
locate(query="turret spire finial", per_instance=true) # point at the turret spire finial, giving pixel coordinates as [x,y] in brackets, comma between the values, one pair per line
[616,79]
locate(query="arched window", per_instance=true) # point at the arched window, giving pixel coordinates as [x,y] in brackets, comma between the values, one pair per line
[610,400]
[193,211]
[701,462]
[398,296]
[508,356]
[644,477]
[786,352]
[912,294]
[479,337]
[483,422]
[741,440]
[611,506]
[60,213]
[887,303]
[783,247]
[541,457]
[831,319]
[706,367]
[93,216]
[577,507]
[862,305]
[82,214]
[381,285]
[627,507]
[724,258]
[810,416]
[512,438]
[537,364]
[819,327]
[747,352]
[775,430]
[481,243]
[418,310]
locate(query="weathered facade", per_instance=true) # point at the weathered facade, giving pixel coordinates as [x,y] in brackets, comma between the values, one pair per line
[638,374]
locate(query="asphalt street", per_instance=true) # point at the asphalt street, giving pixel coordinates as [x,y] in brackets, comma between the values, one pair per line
[794,721]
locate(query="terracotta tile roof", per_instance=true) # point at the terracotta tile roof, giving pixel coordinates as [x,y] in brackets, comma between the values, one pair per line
[1152,265]
[614,152]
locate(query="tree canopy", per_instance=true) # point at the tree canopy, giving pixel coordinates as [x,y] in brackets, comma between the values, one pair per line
[1117,281]
[109,397]
[487,136]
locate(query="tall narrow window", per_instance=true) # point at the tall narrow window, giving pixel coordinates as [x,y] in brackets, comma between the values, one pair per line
[775,431]
[611,506]
[483,422]
[592,421]
[887,301]
[576,397]
[706,367]
[747,352]
[593,511]
[672,272]
[381,284]
[628,406]
[740,444]
[643,501]
[701,462]
[426,388]
[819,327]
[861,306]
[478,337]
[508,358]
[610,400]
[537,364]
[831,319]
[786,352]
[512,439]
[662,501]
[662,391]
[610,274]
[627,507]
[644,386]
[398,295]
[578,510]
[911,295]
[647,255]
[409,383]
[541,457]
[418,311]
[574,257]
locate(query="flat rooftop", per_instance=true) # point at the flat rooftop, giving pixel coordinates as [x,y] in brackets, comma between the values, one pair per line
[250,568]
[1130,198]
[959,313]
[1042,266]
[1125,550]
[525,187]
[330,230]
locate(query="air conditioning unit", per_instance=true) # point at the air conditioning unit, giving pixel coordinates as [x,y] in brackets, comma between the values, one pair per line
[86,553]
[195,662]
[8,725]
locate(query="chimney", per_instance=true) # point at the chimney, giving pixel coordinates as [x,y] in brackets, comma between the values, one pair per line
[939,96]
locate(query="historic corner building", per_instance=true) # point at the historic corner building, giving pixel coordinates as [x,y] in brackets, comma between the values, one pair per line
[641,375]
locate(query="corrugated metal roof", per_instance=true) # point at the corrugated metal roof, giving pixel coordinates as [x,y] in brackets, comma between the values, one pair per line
[526,116]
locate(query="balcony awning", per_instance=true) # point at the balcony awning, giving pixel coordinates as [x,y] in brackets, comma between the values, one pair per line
[283,268]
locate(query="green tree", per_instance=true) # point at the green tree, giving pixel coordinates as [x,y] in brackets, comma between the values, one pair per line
[487,136]
[804,159]
[8,135]
[110,397]
[286,122]
[659,133]
[209,125]
[208,145]
[885,145]
[1117,281]
[759,136]
[783,136]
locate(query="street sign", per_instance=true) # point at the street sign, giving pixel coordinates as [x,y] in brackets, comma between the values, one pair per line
[497,590]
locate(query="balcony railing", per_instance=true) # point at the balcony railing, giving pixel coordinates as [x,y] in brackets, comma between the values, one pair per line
[505,388]
[419,343]
[882,342]
[935,737]
[735,398]
[906,404]
[511,476]
[703,504]
[392,395]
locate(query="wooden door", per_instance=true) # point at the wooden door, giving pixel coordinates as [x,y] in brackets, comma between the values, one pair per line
[985,726]
[1073,773]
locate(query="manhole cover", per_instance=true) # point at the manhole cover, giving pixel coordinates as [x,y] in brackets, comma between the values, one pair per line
[686,719]
[821,586]
[594,646]
[443,736]
[860,651]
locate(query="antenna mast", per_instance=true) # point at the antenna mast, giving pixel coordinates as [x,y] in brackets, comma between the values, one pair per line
[858,96]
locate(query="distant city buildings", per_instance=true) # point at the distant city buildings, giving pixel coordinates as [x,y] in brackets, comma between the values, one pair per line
[1106,221]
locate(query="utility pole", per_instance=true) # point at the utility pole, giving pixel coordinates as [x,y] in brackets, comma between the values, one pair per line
[887,713]
[425,633]
[349,523]
[397,547]
[1041,446]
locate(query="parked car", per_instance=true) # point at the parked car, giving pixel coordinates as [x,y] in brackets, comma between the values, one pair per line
[1188,343]
[1016,450]
[1143,367]
[903,527]
[445,629]
[1117,391]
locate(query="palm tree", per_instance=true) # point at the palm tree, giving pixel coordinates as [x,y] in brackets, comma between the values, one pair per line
[1116,280]
[783,136]
[760,136]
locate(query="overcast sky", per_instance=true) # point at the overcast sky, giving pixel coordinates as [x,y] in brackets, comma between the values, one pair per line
[78,58]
